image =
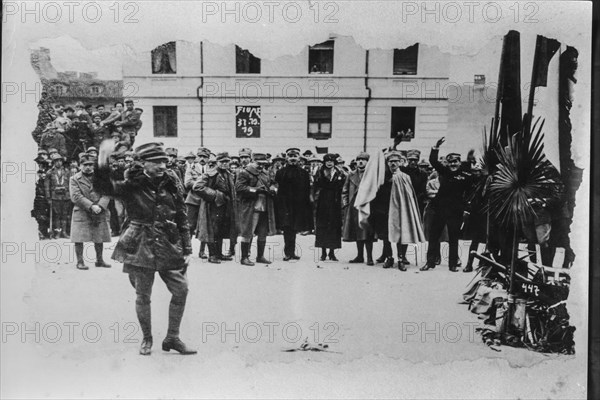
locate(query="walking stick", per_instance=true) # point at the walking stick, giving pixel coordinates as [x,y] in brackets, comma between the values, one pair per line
[51,230]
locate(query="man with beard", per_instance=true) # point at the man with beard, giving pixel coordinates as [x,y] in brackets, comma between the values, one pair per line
[448,204]
[90,220]
[193,173]
[293,204]
[216,216]
[418,179]
[157,239]
[352,231]
[256,212]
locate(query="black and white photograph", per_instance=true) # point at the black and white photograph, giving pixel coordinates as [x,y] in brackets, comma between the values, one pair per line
[296,199]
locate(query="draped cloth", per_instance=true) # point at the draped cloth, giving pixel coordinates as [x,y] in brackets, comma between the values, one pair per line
[404,222]
[372,179]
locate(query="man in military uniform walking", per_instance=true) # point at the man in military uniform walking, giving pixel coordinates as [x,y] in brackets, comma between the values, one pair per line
[157,239]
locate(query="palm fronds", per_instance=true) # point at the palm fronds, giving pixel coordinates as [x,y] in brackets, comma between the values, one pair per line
[523,174]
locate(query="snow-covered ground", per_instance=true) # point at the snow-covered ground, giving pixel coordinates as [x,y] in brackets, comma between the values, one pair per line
[389,334]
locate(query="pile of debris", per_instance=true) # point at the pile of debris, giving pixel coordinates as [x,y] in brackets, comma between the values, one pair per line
[535,316]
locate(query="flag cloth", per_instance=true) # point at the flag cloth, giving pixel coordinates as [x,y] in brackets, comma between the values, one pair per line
[508,98]
[372,180]
[404,222]
[544,51]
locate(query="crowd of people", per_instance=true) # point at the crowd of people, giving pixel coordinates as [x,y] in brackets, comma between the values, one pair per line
[92,185]
[64,134]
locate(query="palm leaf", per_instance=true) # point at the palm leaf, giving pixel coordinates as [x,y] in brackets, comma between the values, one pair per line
[523,173]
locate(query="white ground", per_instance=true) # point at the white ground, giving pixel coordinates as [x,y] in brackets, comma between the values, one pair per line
[392,334]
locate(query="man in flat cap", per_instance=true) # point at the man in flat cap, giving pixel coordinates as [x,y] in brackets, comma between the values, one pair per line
[193,173]
[449,206]
[41,208]
[245,156]
[57,194]
[293,203]
[172,163]
[129,122]
[216,217]
[90,219]
[255,191]
[52,139]
[352,230]
[157,239]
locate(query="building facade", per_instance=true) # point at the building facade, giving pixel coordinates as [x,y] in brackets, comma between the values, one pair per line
[333,96]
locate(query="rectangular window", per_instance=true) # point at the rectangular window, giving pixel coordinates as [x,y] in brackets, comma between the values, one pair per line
[319,122]
[165,121]
[403,120]
[164,60]
[405,60]
[245,62]
[320,58]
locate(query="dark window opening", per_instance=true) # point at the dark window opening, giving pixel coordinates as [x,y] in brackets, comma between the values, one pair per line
[164,60]
[245,62]
[403,120]
[165,121]
[319,122]
[320,58]
[405,60]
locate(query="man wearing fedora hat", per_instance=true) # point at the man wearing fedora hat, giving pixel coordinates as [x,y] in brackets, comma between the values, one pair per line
[57,193]
[293,202]
[90,219]
[216,217]
[256,211]
[156,239]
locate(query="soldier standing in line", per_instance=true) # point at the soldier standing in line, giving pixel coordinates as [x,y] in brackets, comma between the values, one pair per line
[57,194]
[293,204]
[172,163]
[41,210]
[256,211]
[193,173]
[352,231]
[216,217]
[90,220]
[157,239]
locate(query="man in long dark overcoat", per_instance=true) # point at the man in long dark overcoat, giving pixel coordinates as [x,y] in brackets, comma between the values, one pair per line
[90,219]
[156,239]
[216,217]
[293,203]
[256,210]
